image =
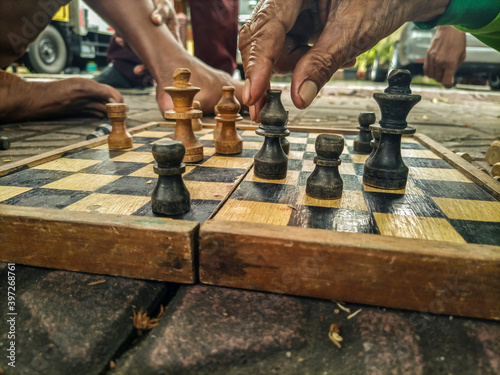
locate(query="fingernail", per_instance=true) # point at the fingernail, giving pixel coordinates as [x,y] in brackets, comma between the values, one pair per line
[308,92]
[111,100]
[246,91]
[158,18]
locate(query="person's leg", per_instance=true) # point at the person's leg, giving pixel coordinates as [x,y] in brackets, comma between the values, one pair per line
[120,73]
[215,32]
[20,24]
[161,52]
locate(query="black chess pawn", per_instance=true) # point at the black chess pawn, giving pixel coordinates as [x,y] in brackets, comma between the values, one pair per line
[285,145]
[100,131]
[325,181]
[271,163]
[4,143]
[170,196]
[362,141]
[386,169]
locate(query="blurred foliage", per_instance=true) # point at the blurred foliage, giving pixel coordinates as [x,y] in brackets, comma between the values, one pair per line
[382,49]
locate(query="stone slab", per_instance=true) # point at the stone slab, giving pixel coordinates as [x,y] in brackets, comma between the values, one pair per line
[65,325]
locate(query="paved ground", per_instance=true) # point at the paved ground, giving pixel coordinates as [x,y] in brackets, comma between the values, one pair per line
[75,323]
[466,119]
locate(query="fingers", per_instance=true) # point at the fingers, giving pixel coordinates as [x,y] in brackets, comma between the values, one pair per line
[120,41]
[448,77]
[341,41]
[445,55]
[140,69]
[157,16]
[107,94]
[261,42]
[95,109]
[349,64]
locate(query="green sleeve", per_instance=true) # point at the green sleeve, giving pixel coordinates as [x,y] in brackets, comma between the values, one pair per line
[481,18]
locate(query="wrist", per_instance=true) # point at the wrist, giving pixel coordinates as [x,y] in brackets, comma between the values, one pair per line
[429,9]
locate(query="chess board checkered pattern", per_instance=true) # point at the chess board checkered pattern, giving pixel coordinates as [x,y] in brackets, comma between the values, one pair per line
[121,182]
[439,202]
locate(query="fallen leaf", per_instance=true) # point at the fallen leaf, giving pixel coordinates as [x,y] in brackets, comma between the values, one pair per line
[354,314]
[97,282]
[334,334]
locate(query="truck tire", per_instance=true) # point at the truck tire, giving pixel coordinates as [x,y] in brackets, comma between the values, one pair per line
[494,81]
[378,73]
[48,53]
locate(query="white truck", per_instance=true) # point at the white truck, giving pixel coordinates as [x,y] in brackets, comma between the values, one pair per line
[75,36]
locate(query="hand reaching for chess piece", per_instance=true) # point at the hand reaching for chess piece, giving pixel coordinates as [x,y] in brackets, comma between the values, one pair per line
[278,36]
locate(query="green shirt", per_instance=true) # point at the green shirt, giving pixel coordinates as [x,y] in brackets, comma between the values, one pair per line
[481,18]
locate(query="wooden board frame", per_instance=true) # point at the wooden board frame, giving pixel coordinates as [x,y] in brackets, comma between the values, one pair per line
[456,279]
[140,247]
[134,246]
[428,276]
[423,275]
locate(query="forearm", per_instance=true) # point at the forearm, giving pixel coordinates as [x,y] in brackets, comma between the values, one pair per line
[465,13]
[132,20]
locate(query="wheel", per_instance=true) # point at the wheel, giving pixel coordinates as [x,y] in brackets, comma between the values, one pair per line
[494,81]
[394,64]
[48,53]
[378,73]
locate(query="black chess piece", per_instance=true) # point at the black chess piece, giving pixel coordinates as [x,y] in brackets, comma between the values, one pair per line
[325,181]
[271,162]
[373,144]
[170,196]
[362,141]
[100,131]
[4,143]
[285,145]
[386,169]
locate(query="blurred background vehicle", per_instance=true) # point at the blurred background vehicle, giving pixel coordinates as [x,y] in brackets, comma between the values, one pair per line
[481,62]
[75,37]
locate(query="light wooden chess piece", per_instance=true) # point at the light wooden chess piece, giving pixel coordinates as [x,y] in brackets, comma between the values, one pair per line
[229,141]
[196,122]
[182,94]
[119,138]
[218,124]
[495,170]
[493,153]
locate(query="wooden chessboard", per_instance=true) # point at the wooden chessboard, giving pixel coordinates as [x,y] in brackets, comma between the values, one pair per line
[432,247]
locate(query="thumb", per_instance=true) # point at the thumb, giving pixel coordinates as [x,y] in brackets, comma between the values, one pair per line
[342,39]
[318,65]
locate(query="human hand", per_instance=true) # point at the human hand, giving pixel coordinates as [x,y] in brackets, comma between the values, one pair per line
[445,55]
[278,36]
[163,13]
